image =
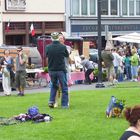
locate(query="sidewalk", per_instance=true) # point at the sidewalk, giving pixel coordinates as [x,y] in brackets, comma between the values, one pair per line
[76,87]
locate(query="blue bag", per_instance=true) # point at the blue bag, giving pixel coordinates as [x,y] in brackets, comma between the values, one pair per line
[33,111]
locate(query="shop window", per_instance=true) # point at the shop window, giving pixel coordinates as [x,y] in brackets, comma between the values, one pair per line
[84,7]
[92,7]
[75,7]
[124,7]
[138,7]
[131,7]
[114,7]
[104,7]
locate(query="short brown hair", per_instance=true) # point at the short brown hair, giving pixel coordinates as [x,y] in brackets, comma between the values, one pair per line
[132,114]
[19,48]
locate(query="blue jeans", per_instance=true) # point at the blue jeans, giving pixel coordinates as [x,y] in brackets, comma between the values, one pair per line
[116,71]
[134,71]
[128,72]
[62,78]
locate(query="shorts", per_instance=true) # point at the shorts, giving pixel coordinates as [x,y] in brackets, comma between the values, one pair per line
[110,72]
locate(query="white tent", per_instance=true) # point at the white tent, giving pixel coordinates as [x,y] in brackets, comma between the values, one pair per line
[133,38]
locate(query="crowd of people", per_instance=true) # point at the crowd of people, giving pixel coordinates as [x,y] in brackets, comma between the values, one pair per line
[122,63]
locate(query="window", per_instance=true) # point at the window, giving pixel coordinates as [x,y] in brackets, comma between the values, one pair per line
[124,7]
[92,7]
[114,7]
[131,7]
[138,7]
[75,7]
[104,7]
[84,7]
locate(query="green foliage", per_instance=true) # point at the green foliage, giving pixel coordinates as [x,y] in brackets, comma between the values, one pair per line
[104,74]
[120,101]
[45,69]
[85,120]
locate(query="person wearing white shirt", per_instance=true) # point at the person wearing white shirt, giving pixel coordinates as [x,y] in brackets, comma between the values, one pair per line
[116,62]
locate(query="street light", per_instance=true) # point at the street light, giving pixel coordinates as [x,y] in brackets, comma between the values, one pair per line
[99,84]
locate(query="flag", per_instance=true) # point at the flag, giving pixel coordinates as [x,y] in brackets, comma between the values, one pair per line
[8,27]
[32,30]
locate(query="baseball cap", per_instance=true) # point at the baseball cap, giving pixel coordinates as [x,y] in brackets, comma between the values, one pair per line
[55,35]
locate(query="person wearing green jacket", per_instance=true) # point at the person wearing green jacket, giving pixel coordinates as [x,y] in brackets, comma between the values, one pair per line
[134,65]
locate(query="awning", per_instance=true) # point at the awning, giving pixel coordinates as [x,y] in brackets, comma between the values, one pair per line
[133,38]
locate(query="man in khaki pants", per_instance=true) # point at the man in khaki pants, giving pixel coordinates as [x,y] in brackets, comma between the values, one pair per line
[20,76]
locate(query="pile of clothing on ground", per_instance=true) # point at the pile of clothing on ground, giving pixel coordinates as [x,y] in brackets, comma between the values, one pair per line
[32,115]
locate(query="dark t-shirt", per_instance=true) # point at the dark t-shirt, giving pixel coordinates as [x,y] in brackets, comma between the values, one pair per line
[56,52]
[128,134]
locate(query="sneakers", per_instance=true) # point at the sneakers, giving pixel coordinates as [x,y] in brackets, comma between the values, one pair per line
[51,105]
[20,94]
[55,105]
[134,80]
[115,81]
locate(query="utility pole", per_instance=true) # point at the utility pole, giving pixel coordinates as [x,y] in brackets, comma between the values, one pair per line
[99,84]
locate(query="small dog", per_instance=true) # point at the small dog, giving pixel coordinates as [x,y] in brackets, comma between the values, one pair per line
[58,95]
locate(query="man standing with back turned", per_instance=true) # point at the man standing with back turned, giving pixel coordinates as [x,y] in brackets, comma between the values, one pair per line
[56,53]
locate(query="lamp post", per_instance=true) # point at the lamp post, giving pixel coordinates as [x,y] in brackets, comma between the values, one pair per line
[99,84]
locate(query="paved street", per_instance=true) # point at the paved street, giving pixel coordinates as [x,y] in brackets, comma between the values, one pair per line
[47,89]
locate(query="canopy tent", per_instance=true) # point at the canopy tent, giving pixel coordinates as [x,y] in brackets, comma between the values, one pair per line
[132,38]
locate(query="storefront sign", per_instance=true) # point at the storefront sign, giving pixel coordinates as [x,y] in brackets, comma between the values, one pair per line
[94,28]
[15,5]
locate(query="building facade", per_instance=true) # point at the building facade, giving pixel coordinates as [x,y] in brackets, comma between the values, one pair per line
[117,16]
[45,15]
